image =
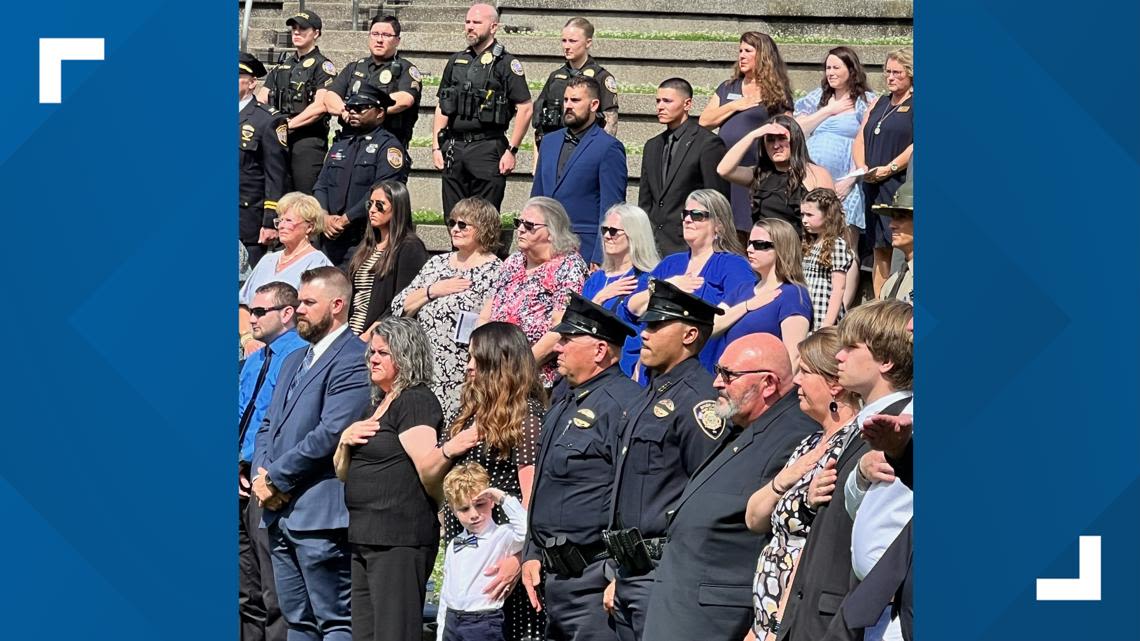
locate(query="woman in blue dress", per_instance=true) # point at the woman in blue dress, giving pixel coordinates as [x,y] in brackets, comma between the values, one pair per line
[629,255]
[779,303]
[712,267]
[830,117]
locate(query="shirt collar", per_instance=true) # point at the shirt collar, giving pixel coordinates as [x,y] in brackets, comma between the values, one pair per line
[322,345]
[870,409]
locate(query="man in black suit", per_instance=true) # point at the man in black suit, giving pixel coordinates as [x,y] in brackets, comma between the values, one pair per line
[677,162]
[703,588]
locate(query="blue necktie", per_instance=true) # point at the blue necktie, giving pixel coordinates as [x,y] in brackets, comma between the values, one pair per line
[305,365]
[460,542]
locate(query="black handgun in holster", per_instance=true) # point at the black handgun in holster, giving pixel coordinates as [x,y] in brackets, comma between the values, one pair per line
[446,148]
[630,551]
[563,558]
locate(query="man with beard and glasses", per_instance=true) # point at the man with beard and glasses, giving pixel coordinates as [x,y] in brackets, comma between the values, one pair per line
[481,89]
[370,154]
[321,390]
[709,560]
[582,166]
[665,434]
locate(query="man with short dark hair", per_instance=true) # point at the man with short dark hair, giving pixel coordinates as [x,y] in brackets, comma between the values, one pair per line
[677,162]
[354,165]
[582,166]
[321,391]
[271,321]
[386,69]
[703,587]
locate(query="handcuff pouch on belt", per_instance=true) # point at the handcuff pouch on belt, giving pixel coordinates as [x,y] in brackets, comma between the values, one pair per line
[563,558]
[634,554]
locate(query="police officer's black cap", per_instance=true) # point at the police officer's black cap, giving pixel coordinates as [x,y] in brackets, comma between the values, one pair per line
[369,95]
[586,318]
[247,63]
[667,303]
[304,19]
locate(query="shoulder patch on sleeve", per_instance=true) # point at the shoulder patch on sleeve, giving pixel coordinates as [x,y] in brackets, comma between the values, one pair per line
[328,67]
[516,67]
[711,424]
[611,84]
[283,134]
[414,73]
[395,157]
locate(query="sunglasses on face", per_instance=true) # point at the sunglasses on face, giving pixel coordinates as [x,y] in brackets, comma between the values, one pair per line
[355,109]
[612,231]
[378,204]
[461,224]
[526,224]
[729,375]
[258,312]
[761,245]
[695,215]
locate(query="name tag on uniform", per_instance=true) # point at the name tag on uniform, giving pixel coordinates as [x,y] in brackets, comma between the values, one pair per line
[464,325]
[904,109]
[733,96]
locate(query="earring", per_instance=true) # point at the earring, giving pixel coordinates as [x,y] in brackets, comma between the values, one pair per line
[833,407]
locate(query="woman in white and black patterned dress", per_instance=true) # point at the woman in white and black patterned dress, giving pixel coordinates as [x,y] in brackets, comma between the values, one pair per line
[504,400]
[451,288]
[780,507]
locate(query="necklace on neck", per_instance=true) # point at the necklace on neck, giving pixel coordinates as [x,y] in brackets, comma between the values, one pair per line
[286,258]
[879,124]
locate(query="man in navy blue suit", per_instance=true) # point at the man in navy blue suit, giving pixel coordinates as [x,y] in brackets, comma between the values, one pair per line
[582,166]
[321,390]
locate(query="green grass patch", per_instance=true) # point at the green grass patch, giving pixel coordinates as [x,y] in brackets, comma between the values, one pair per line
[725,36]
[433,217]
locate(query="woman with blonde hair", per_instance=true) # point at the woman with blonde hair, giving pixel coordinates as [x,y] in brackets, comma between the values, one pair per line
[778,303]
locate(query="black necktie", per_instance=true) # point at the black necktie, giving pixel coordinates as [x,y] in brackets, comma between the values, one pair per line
[666,157]
[898,283]
[243,425]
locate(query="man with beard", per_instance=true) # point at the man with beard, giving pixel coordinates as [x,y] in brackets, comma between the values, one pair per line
[384,68]
[577,37]
[709,559]
[582,167]
[321,391]
[355,163]
[271,321]
[665,435]
[291,88]
[573,475]
[482,88]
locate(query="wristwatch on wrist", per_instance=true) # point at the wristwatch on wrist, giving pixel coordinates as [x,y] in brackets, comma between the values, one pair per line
[269,482]
[514,151]
[894,168]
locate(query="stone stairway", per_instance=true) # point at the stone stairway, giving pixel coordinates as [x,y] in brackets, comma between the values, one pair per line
[641,42]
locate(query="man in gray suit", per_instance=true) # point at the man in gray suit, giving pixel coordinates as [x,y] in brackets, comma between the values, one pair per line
[321,391]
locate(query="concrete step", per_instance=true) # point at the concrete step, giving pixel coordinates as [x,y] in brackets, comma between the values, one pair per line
[862,9]
[278,22]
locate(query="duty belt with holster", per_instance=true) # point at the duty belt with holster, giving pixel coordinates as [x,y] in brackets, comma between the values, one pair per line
[634,554]
[566,559]
[472,95]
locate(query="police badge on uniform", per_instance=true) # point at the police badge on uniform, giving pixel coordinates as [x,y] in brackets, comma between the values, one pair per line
[247,132]
[309,63]
[395,157]
[487,58]
[385,76]
[589,73]
[371,148]
[611,84]
[516,67]
[584,419]
[711,424]
[663,408]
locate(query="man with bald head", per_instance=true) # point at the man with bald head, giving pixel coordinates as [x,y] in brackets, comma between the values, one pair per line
[703,588]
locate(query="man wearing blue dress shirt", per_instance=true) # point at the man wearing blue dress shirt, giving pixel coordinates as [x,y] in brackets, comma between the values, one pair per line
[271,321]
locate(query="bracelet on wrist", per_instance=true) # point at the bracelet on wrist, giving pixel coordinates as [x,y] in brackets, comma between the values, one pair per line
[778,492]
[443,451]
[427,292]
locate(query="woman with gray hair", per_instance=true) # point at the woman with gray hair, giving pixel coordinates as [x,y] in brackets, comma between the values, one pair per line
[629,255]
[535,282]
[712,267]
[392,471]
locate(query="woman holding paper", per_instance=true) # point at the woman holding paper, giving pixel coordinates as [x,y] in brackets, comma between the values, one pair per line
[446,295]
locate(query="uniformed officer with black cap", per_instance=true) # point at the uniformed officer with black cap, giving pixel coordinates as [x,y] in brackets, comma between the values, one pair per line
[291,88]
[666,434]
[573,475]
[577,36]
[386,69]
[481,89]
[263,161]
[356,163]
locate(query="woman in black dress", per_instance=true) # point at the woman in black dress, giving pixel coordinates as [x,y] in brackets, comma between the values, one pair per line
[501,408]
[783,174]
[883,148]
[392,470]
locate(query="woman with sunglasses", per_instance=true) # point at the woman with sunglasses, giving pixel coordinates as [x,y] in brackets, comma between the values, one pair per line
[711,268]
[387,258]
[883,148]
[299,220]
[780,507]
[447,294]
[778,303]
[535,282]
[629,255]
[783,172]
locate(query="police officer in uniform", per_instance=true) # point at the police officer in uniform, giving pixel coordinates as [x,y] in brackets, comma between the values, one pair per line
[356,163]
[263,161]
[396,76]
[577,36]
[573,475]
[666,434]
[291,88]
[482,88]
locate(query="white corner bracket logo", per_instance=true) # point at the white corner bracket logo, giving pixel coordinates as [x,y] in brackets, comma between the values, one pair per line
[1086,587]
[53,51]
